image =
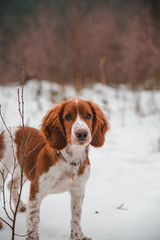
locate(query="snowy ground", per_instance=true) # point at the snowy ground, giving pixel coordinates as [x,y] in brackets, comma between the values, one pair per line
[125,171]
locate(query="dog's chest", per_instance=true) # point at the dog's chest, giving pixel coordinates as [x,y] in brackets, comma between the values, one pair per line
[60,178]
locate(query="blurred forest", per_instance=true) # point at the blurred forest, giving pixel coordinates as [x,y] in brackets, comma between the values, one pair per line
[81,41]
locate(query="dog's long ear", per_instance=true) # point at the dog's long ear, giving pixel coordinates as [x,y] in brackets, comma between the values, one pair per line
[100,125]
[53,129]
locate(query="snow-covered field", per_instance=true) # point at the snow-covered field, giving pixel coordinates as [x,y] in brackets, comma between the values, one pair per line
[122,200]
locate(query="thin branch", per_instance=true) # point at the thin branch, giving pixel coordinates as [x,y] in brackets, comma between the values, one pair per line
[23,147]
[5,123]
[25,235]
[4,196]
[121,207]
[6,222]
[6,167]
[12,179]
[22,157]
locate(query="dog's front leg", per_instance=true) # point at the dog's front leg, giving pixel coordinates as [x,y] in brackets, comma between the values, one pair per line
[33,217]
[76,209]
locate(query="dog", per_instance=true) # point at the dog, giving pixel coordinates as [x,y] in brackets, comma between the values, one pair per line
[55,158]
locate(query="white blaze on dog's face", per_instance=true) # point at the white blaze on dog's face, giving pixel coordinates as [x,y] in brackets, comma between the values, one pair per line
[77,118]
[80,133]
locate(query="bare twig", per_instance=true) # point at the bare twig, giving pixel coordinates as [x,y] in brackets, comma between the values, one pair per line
[22,155]
[21,112]
[121,207]
[6,167]
[13,172]
[4,123]
[6,222]
[4,196]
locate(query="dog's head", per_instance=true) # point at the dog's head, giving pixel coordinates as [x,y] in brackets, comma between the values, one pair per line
[76,122]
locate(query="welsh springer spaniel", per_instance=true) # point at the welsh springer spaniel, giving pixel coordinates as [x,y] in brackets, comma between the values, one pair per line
[56,158]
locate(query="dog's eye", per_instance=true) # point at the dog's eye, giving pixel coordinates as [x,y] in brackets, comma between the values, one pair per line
[68,117]
[88,116]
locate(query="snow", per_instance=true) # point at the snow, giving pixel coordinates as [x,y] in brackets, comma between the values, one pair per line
[122,198]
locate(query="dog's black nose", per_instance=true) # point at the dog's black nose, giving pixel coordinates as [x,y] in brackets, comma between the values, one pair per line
[81,135]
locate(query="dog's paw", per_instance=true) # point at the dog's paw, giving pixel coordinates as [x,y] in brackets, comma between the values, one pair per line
[87,238]
[79,238]
[84,238]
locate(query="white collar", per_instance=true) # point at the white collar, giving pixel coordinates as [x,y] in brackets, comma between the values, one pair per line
[72,157]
